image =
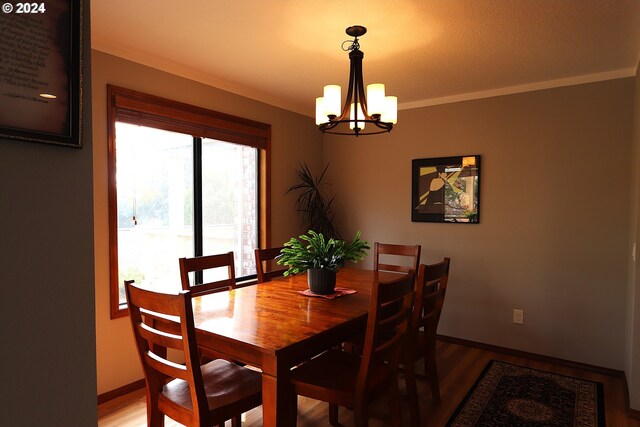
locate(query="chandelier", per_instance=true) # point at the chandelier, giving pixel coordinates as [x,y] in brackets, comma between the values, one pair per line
[365,115]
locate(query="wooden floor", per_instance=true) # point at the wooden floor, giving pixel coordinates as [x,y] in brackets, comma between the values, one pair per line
[459,367]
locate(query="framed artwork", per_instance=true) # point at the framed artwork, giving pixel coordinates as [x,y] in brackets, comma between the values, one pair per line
[41,72]
[446,189]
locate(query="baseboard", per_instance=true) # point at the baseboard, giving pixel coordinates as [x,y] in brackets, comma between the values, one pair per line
[631,413]
[534,356]
[120,391]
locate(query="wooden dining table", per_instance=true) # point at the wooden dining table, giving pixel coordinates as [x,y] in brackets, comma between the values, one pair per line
[273,327]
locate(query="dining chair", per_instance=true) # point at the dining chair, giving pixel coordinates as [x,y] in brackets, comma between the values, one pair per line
[208,263]
[388,251]
[189,393]
[431,288]
[264,260]
[383,254]
[348,379]
[212,264]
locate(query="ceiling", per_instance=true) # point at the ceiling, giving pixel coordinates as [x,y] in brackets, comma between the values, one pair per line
[283,52]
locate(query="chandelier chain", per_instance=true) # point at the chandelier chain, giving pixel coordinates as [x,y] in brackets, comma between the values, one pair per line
[355,45]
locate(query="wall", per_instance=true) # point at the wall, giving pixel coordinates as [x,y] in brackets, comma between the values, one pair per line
[48,329]
[555,206]
[294,139]
[632,350]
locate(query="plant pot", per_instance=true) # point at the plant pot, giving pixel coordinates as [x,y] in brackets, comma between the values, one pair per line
[321,281]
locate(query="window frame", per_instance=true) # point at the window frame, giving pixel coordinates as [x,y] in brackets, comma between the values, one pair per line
[130,106]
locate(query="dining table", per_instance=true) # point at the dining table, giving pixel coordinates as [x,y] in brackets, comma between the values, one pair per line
[275,327]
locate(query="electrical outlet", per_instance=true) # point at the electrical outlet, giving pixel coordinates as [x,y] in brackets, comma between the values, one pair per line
[518,316]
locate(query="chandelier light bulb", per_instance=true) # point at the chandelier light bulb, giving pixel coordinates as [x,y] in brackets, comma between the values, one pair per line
[321,115]
[375,99]
[353,123]
[332,95]
[390,113]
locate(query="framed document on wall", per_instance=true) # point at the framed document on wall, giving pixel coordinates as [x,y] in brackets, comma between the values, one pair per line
[41,71]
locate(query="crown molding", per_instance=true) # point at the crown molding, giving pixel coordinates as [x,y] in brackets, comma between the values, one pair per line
[191,74]
[530,87]
[198,76]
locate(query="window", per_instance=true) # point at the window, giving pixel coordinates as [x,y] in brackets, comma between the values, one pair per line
[183,181]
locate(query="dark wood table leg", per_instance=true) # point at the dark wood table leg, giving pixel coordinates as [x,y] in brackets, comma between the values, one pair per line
[277,398]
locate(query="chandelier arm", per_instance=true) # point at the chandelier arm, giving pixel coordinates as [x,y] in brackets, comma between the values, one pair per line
[359,89]
[360,132]
[328,126]
[358,107]
[346,109]
[387,126]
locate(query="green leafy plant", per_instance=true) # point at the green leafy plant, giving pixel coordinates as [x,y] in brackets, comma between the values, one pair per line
[320,253]
[317,211]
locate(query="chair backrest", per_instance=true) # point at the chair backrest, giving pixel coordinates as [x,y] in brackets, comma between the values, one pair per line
[208,262]
[411,251]
[389,314]
[152,344]
[431,288]
[264,257]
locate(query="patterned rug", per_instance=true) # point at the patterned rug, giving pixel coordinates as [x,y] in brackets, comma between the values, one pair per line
[509,395]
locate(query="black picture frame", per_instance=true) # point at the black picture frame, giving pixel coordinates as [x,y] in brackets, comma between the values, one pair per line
[40,57]
[446,189]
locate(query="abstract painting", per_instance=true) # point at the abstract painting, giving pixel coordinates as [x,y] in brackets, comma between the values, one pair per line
[446,189]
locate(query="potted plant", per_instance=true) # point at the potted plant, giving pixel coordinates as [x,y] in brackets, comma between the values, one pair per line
[320,258]
[315,207]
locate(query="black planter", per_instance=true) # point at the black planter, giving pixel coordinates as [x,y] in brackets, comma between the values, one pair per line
[321,281]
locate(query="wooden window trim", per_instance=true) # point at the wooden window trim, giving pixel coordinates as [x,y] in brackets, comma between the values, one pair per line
[126,105]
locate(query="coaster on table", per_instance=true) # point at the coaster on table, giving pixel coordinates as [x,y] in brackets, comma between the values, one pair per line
[338,292]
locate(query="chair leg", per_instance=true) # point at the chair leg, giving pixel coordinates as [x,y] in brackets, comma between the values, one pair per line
[431,369]
[294,409]
[155,418]
[236,421]
[412,392]
[333,414]
[360,414]
[394,404]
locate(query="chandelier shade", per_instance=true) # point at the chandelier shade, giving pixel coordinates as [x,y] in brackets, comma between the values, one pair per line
[360,109]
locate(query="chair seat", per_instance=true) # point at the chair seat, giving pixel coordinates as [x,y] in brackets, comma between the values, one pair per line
[337,371]
[225,385]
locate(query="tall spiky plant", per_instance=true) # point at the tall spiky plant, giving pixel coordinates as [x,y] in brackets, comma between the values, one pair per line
[317,212]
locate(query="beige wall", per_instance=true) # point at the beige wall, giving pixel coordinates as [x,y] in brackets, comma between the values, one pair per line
[48,330]
[632,350]
[294,138]
[555,203]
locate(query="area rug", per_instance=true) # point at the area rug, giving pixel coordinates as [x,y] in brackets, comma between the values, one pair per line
[510,395]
